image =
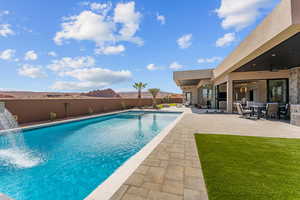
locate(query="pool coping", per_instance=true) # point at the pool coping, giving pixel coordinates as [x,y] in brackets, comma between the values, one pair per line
[106,189]
[75,119]
[63,121]
[111,185]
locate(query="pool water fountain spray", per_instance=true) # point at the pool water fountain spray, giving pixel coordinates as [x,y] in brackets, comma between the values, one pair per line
[13,150]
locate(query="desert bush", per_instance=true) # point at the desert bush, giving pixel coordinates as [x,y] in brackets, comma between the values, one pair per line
[53,116]
[123,104]
[90,111]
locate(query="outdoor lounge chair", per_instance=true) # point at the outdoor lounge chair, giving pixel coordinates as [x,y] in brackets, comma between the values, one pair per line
[285,113]
[272,111]
[242,111]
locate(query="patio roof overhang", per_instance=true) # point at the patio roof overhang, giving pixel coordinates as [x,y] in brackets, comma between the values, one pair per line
[281,57]
[272,46]
[191,78]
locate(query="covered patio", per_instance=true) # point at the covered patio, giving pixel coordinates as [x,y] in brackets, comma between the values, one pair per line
[264,68]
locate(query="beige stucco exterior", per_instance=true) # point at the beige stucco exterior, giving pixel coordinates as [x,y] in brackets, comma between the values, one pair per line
[180,76]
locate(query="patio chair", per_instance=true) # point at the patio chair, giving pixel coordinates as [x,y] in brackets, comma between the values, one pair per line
[187,104]
[272,111]
[249,104]
[285,112]
[242,111]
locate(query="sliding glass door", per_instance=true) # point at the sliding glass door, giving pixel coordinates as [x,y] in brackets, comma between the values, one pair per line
[278,91]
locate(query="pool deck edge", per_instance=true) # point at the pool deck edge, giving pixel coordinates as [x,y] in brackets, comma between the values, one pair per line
[111,185]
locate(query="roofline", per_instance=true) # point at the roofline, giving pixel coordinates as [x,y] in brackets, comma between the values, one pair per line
[282,23]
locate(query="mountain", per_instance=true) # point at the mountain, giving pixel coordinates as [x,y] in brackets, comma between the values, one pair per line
[107,93]
[148,95]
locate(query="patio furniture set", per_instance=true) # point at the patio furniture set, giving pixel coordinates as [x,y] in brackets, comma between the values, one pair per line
[264,110]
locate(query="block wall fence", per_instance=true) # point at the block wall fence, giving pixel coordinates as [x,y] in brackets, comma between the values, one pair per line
[36,110]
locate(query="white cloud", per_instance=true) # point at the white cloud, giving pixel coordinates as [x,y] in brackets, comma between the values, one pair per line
[31,71]
[52,53]
[126,15]
[31,55]
[240,14]
[67,63]
[86,26]
[175,66]
[7,54]
[210,60]
[161,19]
[103,8]
[91,78]
[226,40]
[185,41]
[110,50]
[101,28]
[5,30]
[4,12]
[75,85]
[153,67]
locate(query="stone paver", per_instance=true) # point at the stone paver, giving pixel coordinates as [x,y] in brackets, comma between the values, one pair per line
[173,170]
[173,187]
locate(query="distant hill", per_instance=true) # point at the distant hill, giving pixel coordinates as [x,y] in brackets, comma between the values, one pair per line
[107,93]
[148,95]
[37,95]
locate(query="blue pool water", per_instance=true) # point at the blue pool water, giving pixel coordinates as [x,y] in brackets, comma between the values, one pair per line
[69,161]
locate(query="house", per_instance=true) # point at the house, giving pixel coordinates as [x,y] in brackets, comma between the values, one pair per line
[265,67]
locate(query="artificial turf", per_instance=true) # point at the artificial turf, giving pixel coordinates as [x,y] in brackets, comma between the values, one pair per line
[250,168]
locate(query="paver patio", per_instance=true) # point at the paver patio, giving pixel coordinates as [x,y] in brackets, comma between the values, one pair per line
[172,171]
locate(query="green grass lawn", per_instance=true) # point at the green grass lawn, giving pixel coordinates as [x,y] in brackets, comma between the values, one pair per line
[244,168]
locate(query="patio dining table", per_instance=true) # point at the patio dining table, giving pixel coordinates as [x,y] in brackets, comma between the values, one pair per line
[257,109]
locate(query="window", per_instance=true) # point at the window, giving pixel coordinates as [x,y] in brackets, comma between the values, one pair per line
[278,91]
[188,97]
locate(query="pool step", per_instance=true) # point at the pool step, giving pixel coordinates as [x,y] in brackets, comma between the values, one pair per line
[4,197]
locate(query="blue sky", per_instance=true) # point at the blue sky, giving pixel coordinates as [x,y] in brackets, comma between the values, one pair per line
[73,45]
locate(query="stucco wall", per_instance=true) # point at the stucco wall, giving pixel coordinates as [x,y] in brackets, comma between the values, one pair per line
[35,110]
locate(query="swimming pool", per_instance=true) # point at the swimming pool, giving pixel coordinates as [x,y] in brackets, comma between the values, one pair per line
[68,161]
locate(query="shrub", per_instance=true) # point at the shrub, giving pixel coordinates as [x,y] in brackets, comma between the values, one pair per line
[160,106]
[166,99]
[123,104]
[53,116]
[90,111]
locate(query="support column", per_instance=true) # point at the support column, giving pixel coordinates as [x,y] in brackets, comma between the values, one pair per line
[294,90]
[229,96]
[294,85]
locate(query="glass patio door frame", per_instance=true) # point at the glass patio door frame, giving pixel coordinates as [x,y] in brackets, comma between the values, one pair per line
[287,90]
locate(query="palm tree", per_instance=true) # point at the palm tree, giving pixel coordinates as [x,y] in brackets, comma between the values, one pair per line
[139,86]
[154,92]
